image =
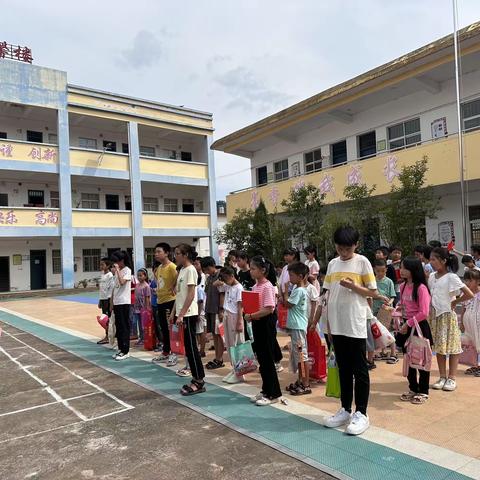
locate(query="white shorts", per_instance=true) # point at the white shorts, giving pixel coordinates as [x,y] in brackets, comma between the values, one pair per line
[201,324]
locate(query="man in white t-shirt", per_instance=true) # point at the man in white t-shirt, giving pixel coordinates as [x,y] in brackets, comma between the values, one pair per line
[349,281]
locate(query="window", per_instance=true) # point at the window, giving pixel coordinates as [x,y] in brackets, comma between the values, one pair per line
[188,205]
[56,262]
[367,145]
[471,115]
[90,200]
[3,199]
[404,134]
[54,200]
[313,161]
[150,204]
[3,135]
[125,148]
[53,138]
[36,137]
[36,198]
[281,170]
[186,156]
[128,202]
[262,177]
[149,256]
[474,216]
[91,259]
[170,205]
[112,202]
[90,143]
[338,152]
[109,146]
[147,151]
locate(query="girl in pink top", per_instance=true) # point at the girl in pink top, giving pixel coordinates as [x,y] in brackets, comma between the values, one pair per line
[415,302]
[264,331]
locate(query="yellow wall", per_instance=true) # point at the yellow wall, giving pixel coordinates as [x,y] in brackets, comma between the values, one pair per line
[95,159]
[111,219]
[442,169]
[28,152]
[29,217]
[176,169]
[168,220]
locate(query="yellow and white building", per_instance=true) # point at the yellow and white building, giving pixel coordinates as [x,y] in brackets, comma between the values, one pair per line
[365,129]
[85,172]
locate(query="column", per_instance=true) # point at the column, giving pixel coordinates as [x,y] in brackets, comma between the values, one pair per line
[65,188]
[212,196]
[136,194]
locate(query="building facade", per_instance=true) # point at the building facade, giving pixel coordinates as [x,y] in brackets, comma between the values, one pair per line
[85,172]
[366,129]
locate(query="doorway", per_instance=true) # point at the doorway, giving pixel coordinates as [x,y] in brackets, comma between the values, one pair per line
[38,269]
[112,202]
[4,274]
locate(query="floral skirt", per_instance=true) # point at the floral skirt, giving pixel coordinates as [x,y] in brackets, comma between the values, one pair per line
[446,333]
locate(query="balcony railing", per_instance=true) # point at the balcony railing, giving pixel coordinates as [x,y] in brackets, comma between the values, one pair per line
[98,159]
[90,218]
[174,168]
[29,217]
[152,220]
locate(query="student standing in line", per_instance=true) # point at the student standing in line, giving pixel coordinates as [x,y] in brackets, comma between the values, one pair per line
[142,301]
[106,285]
[122,301]
[153,300]
[313,266]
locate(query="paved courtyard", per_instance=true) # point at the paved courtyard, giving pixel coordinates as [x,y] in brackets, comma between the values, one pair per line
[60,391]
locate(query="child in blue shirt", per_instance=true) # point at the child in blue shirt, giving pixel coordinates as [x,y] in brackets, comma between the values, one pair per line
[297,324]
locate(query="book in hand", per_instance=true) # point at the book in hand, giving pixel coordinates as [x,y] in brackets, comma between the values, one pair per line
[250,302]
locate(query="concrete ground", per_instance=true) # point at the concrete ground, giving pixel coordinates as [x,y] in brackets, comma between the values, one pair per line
[63,418]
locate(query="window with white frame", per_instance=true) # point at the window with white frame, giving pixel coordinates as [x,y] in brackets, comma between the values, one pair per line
[471,115]
[90,143]
[147,151]
[313,161]
[150,204]
[170,205]
[56,262]
[54,200]
[281,170]
[404,134]
[90,200]
[91,259]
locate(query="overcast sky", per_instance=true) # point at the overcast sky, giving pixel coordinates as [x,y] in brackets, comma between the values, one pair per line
[239,59]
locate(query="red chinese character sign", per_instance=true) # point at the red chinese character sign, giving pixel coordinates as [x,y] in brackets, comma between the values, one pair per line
[15,52]
[8,218]
[354,176]
[390,169]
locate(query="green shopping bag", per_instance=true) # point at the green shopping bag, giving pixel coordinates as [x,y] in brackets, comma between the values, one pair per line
[243,358]
[333,378]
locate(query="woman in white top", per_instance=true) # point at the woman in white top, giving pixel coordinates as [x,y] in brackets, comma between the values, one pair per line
[122,300]
[313,266]
[445,288]
[185,315]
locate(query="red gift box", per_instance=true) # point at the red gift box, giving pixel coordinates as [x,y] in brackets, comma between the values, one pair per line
[316,355]
[282,313]
[250,302]
[177,344]
[149,339]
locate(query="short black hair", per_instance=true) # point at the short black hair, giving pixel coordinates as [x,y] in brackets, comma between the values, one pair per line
[472,275]
[227,272]
[299,268]
[379,262]
[346,236]
[468,259]
[434,244]
[396,247]
[106,261]
[385,250]
[206,262]
[243,255]
[164,246]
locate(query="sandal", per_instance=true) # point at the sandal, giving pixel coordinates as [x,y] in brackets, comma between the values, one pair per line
[407,397]
[184,372]
[392,360]
[194,388]
[103,341]
[381,356]
[215,364]
[292,386]
[477,374]
[419,399]
[472,370]
[301,390]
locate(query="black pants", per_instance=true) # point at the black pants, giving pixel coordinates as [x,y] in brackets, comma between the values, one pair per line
[156,322]
[164,310]
[105,306]
[422,384]
[122,326]
[191,347]
[264,334]
[277,351]
[352,365]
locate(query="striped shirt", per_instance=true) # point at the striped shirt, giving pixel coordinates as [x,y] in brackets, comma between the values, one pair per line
[267,293]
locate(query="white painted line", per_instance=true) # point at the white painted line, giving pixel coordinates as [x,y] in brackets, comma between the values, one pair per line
[39,433]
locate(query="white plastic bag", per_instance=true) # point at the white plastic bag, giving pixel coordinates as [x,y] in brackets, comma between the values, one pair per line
[382,337]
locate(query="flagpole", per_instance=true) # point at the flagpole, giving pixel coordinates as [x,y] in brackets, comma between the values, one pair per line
[460,134]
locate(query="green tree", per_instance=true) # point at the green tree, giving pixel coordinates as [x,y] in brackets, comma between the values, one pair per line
[237,233]
[404,210]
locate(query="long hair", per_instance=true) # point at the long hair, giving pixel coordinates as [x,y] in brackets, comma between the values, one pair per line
[415,267]
[311,249]
[267,266]
[188,251]
[292,251]
[451,261]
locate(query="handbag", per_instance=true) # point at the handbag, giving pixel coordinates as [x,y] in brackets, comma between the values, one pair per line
[469,355]
[103,321]
[418,351]
[149,339]
[333,378]
[243,358]
[177,343]
[316,355]
[381,336]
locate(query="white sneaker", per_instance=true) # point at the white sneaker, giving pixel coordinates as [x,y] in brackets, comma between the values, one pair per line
[358,424]
[266,401]
[227,377]
[257,397]
[122,356]
[116,353]
[439,384]
[278,367]
[172,360]
[340,418]
[234,379]
[450,385]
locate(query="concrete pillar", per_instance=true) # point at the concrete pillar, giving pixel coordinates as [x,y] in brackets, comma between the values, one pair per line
[212,196]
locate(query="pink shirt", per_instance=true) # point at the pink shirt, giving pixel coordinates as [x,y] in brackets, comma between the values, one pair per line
[267,293]
[418,310]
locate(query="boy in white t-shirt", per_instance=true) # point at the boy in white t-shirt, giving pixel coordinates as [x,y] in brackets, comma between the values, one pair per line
[350,280]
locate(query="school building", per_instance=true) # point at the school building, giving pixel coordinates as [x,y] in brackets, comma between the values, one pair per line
[85,172]
[367,128]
